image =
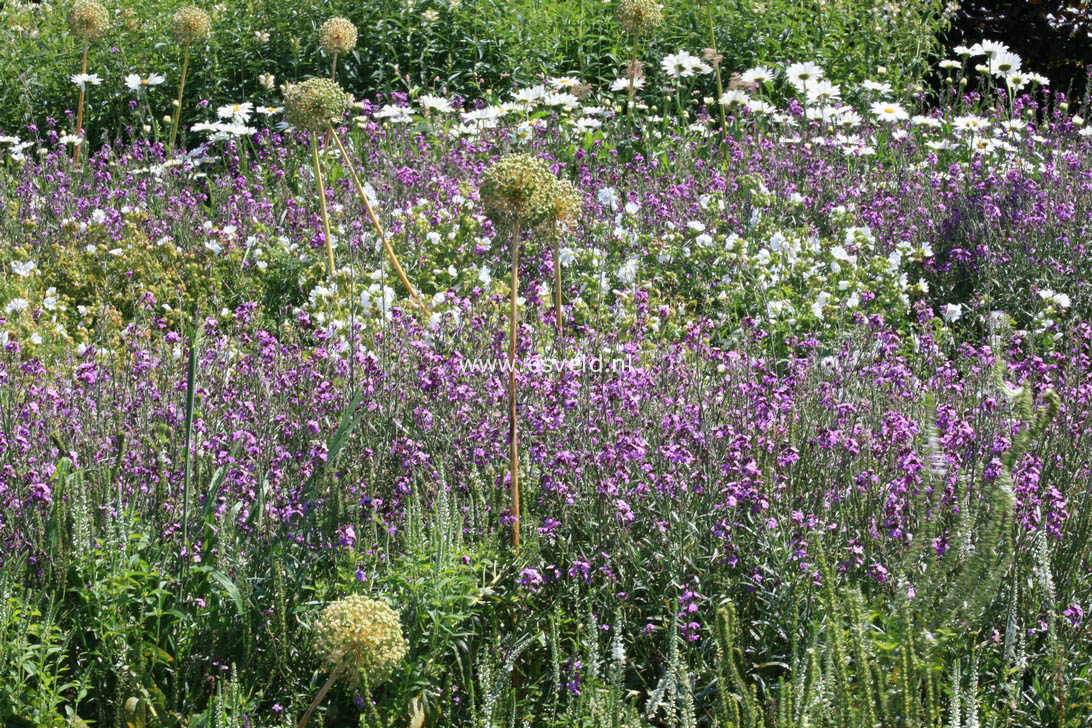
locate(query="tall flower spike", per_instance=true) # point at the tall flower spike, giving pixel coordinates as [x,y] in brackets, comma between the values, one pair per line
[517,191]
[565,203]
[189,25]
[88,20]
[312,106]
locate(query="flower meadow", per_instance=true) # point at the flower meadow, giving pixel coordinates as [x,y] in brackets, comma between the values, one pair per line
[699,397]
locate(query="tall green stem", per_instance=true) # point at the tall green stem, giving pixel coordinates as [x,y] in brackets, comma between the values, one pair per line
[632,78]
[178,101]
[513,430]
[557,285]
[716,67]
[322,206]
[79,108]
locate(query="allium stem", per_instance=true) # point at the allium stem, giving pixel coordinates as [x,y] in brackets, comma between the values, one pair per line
[79,108]
[178,104]
[333,67]
[716,67]
[375,220]
[322,206]
[324,689]
[632,79]
[513,430]
[557,285]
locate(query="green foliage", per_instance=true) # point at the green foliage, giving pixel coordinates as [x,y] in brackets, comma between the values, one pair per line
[468,46]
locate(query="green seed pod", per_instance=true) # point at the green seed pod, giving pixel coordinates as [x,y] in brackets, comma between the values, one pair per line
[314,104]
[88,20]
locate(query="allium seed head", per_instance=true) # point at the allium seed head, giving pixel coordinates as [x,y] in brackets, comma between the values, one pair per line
[518,186]
[638,17]
[190,24]
[565,201]
[337,35]
[88,20]
[315,103]
[366,633]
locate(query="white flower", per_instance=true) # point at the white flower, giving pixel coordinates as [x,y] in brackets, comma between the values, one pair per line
[627,273]
[802,75]
[238,113]
[889,111]
[1004,63]
[428,102]
[757,75]
[529,96]
[683,65]
[485,277]
[586,124]
[951,312]
[136,83]
[564,82]
[83,80]
[564,100]
[734,97]
[757,106]
[840,253]
[23,269]
[623,84]
[878,87]
[822,91]
[608,198]
[16,305]
[566,257]
[267,81]
[396,114]
[948,63]
[988,48]
[973,123]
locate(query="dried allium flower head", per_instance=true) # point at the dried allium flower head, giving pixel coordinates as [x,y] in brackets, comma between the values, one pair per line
[366,634]
[518,186]
[337,35]
[565,201]
[190,24]
[314,103]
[638,17]
[88,20]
